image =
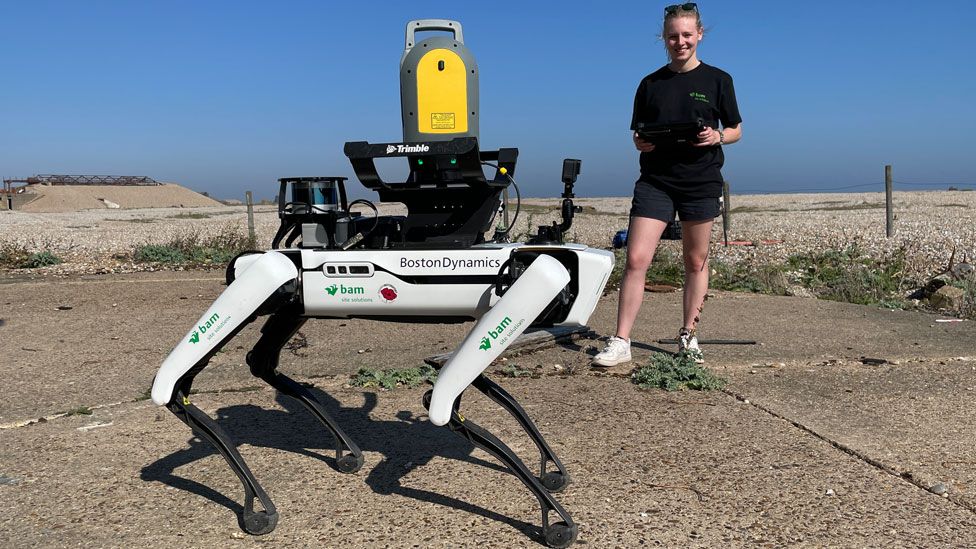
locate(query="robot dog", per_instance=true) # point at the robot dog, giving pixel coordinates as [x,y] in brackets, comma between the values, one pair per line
[432,265]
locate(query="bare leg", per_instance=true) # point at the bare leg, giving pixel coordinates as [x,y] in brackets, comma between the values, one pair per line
[642,240]
[696,236]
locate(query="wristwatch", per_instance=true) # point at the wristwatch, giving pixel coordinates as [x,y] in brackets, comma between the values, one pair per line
[721,138]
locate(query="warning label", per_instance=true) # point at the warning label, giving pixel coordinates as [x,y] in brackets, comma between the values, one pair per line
[442,120]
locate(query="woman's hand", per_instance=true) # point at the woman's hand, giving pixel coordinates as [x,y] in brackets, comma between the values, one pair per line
[642,146]
[709,137]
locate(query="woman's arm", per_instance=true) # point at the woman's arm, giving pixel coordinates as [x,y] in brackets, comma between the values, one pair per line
[709,137]
[731,134]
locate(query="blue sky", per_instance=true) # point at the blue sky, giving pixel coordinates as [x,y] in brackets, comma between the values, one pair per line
[229,96]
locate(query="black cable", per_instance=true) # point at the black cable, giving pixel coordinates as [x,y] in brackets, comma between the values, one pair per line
[518,200]
[356,238]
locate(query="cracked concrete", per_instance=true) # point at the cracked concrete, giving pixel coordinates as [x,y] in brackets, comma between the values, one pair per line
[829,451]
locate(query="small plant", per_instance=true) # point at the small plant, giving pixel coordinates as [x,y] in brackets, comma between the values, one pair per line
[394,377]
[676,373]
[146,395]
[41,259]
[743,276]
[158,253]
[513,370]
[968,286]
[529,227]
[79,411]
[13,255]
[19,256]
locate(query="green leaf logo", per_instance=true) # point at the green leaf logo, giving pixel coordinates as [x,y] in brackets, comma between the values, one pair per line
[195,338]
[332,289]
[485,344]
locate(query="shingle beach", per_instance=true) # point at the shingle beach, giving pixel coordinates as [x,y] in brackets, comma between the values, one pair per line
[928,225]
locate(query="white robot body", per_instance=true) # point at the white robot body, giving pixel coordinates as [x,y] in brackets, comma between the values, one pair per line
[454,284]
[451,283]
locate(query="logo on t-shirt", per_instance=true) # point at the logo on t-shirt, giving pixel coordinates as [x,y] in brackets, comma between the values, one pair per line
[699,97]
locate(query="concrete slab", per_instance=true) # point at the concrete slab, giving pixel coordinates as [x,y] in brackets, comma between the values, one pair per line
[100,339]
[829,452]
[911,418]
[649,468]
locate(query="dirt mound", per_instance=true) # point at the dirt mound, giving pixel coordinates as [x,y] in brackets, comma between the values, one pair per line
[70,198]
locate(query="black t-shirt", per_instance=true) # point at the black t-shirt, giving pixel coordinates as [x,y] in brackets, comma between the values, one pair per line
[667,97]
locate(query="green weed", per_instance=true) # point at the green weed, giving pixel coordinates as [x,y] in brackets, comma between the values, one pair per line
[513,370]
[848,275]
[764,278]
[676,373]
[196,247]
[394,377]
[20,256]
[79,411]
[851,276]
[158,253]
[41,259]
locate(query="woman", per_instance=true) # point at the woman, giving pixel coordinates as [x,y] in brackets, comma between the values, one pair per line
[683,178]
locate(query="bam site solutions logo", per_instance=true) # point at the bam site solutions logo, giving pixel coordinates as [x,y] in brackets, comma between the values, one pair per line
[345,290]
[494,334]
[211,325]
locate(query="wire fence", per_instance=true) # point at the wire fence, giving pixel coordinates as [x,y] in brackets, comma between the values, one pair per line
[900,185]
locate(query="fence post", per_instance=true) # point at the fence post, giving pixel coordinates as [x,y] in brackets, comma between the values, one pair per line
[889,211]
[249,199]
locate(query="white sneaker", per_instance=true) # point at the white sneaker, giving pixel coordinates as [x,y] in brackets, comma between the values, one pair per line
[616,352]
[688,344]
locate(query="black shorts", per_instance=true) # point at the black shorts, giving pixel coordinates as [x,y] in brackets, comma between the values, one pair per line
[654,203]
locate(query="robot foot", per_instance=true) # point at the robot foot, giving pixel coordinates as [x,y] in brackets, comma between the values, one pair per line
[557,534]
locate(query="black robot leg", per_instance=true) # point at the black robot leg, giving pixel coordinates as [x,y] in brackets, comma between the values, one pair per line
[263,360]
[557,534]
[252,522]
[554,481]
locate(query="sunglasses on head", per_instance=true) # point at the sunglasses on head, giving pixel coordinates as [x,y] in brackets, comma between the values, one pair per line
[673,9]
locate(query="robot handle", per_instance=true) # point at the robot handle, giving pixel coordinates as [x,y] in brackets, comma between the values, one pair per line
[420,25]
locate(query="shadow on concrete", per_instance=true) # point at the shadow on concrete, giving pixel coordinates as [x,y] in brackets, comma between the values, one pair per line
[406,444]
[652,348]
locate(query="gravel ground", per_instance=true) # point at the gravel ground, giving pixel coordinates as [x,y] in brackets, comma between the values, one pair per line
[928,226]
